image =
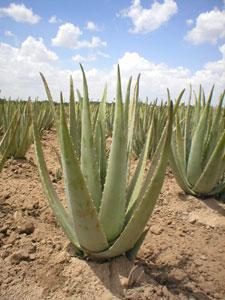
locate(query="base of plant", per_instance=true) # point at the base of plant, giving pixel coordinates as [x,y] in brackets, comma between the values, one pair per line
[86,256]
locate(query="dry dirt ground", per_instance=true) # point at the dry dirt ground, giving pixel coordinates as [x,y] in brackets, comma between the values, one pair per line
[183,255]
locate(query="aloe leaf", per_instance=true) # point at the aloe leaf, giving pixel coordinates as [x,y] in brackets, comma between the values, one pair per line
[8,139]
[102,109]
[59,211]
[101,132]
[207,135]
[203,99]
[158,151]
[103,160]
[206,182]
[131,122]
[50,99]
[80,98]
[132,112]
[112,211]
[187,131]
[94,117]
[214,130]
[89,165]
[180,178]
[137,179]
[177,147]
[194,168]
[177,103]
[150,174]
[127,102]
[72,120]
[198,106]
[180,148]
[100,152]
[83,212]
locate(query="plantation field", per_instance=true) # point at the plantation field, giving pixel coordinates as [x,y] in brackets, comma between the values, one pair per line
[112,150]
[182,256]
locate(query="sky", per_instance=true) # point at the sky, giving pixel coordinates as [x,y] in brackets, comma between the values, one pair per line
[171,43]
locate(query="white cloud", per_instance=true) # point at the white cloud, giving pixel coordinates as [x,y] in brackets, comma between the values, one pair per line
[156,78]
[35,50]
[96,42]
[103,54]
[91,26]
[9,33]
[68,35]
[20,69]
[54,20]
[19,13]
[210,27]
[146,20]
[222,49]
[93,57]
[79,58]
[189,22]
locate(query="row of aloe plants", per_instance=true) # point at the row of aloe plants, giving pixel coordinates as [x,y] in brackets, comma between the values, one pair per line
[16,126]
[103,200]
[108,208]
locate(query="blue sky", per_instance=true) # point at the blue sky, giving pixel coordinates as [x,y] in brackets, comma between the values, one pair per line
[172,43]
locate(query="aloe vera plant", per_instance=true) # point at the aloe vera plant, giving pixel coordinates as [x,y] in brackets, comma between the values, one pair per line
[20,135]
[107,213]
[197,154]
[6,143]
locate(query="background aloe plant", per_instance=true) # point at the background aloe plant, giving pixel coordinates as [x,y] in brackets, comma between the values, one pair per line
[16,120]
[107,213]
[6,142]
[197,154]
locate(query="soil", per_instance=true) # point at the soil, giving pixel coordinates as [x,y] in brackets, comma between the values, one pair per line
[182,256]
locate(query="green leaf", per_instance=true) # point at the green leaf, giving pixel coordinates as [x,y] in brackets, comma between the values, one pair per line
[8,139]
[86,224]
[214,130]
[58,209]
[195,168]
[100,137]
[187,131]
[206,181]
[180,178]
[127,103]
[137,179]
[73,122]
[177,103]
[112,211]
[181,162]
[89,165]
[50,99]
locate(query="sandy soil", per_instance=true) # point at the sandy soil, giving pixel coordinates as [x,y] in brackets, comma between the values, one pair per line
[182,256]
